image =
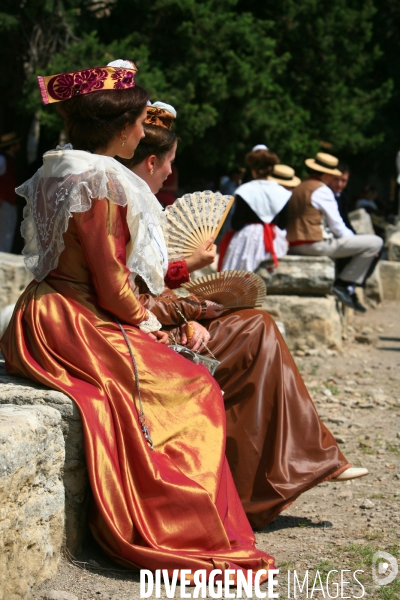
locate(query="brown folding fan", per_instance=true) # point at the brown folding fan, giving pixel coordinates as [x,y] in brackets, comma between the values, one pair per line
[233,289]
[192,220]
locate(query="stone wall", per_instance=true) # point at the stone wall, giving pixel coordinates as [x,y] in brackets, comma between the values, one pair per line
[14,277]
[390,277]
[31,497]
[300,275]
[309,322]
[18,391]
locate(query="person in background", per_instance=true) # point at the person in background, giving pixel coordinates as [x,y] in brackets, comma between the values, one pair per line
[316,228]
[228,185]
[9,144]
[338,186]
[368,200]
[255,236]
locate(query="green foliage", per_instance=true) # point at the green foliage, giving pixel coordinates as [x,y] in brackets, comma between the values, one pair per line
[239,72]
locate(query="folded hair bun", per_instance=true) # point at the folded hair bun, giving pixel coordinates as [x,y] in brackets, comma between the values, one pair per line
[161,115]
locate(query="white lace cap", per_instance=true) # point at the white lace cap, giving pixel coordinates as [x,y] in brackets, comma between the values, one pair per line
[259,147]
[121,64]
[166,107]
[68,182]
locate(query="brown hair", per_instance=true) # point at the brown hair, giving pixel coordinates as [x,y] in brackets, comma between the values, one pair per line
[93,120]
[158,141]
[262,162]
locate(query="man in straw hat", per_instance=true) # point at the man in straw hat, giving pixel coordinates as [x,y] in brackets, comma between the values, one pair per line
[315,228]
[9,146]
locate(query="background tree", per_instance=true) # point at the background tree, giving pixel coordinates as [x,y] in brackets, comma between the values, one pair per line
[239,72]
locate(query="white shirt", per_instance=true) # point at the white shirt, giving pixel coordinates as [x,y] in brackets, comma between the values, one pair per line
[323,199]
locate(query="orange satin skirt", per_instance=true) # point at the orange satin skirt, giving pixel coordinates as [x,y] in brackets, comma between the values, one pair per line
[172,508]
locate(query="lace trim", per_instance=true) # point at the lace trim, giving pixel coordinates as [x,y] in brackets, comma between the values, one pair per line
[68,182]
[151,324]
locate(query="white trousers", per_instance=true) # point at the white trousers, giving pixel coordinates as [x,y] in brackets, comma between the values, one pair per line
[363,249]
[8,223]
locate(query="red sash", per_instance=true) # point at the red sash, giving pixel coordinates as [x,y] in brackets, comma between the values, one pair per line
[269,236]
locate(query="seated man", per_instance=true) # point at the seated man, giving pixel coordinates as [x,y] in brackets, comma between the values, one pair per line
[315,228]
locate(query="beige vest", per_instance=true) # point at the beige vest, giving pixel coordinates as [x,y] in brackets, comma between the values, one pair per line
[304,221]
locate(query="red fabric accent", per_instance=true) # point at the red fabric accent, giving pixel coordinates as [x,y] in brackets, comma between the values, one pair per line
[167,197]
[269,236]
[8,182]
[301,242]
[177,274]
[223,247]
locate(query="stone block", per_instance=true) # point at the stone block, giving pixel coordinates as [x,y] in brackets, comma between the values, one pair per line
[300,275]
[14,277]
[389,231]
[394,246]
[31,497]
[361,221]
[373,287]
[390,277]
[18,391]
[5,317]
[309,322]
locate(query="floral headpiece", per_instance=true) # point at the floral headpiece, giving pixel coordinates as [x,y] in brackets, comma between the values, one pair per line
[117,75]
[160,114]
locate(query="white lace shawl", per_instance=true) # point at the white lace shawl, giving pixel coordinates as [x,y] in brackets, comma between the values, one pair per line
[67,182]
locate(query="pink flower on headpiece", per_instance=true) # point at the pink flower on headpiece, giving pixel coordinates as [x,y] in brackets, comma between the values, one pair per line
[124,79]
[60,86]
[67,85]
[90,79]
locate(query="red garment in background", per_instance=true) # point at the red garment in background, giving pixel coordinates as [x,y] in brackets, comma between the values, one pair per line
[269,236]
[167,197]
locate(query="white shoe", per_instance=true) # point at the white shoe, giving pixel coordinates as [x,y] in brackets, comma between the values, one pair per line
[351,473]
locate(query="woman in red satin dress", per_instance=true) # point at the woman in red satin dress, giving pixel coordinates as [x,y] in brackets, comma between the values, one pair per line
[277,446]
[163,493]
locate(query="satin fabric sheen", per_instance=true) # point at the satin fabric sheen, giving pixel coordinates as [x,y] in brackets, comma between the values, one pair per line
[277,446]
[172,508]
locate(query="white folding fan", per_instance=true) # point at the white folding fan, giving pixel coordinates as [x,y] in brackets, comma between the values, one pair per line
[192,220]
[233,289]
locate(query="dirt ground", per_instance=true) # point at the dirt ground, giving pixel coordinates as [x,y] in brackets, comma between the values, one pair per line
[335,526]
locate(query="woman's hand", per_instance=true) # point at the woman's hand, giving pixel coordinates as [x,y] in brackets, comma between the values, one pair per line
[203,255]
[161,337]
[195,336]
[213,310]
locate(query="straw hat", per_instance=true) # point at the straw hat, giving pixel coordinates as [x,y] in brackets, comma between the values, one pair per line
[325,163]
[8,139]
[285,176]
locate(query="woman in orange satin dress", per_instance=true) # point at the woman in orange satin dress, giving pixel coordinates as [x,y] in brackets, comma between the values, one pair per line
[277,446]
[174,506]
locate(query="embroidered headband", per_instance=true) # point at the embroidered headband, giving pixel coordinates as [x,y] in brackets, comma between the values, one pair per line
[161,115]
[117,75]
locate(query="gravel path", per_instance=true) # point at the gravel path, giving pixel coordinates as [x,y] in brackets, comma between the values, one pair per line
[335,525]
